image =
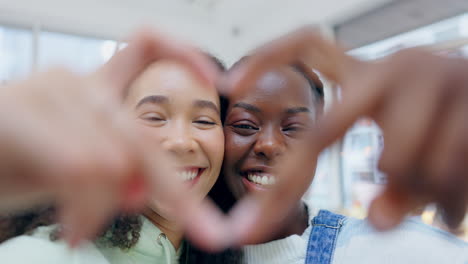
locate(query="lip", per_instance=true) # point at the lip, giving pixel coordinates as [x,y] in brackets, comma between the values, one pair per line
[261,168]
[252,187]
[249,185]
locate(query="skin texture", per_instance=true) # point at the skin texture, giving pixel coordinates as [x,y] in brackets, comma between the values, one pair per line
[66,140]
[261,131]
[425,153]
[88,139]
[177,112]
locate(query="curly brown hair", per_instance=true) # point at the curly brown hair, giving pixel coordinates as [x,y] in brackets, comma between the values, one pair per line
[12,225]
[123,232]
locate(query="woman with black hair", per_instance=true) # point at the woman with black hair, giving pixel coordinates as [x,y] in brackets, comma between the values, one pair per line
[267,123]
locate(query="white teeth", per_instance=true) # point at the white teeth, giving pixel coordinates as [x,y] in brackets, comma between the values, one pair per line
[191,175]
[272,180]
[261,180]
[250,177]
[188,175]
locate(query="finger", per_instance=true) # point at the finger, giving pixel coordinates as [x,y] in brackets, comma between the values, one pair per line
[147,46]
[361,97]
[306,45]
[92,181]
[364,86]
[454,205]
[134,194]
[91,176]
[449,144]
[446,163]
[389,209]
[202,222]
[255,217]
[83,216]
[129,160]
[407,126]
[206,226]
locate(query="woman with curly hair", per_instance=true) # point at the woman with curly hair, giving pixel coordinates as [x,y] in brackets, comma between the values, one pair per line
[174,111]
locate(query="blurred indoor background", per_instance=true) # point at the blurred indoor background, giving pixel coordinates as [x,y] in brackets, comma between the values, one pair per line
[83,34]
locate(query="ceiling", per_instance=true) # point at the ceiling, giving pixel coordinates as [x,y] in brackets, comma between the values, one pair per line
[237,25]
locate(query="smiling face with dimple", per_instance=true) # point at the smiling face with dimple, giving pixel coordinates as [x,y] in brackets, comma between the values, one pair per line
[176,112]
[263,124]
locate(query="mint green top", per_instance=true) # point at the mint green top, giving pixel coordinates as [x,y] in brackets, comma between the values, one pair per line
[152,247]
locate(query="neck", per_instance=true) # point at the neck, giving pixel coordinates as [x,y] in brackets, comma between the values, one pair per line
[295,223]
[172,231]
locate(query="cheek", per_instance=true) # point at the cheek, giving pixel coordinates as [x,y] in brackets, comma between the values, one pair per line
[236,147]
[212,144]
[151,135]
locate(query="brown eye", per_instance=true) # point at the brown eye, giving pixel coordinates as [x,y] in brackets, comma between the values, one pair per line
[204,123]
[291,128]
[152,118]
[244,128]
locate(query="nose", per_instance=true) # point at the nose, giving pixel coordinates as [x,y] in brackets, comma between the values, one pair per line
[270,143]
[179,139]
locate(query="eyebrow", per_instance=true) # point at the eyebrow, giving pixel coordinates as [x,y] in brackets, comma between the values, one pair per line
[161,99]
[296,110]
[248,107]
[206,104]
[152,99]
[292,110]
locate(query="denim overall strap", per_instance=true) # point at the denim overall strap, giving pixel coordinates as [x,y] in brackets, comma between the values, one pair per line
[325,228]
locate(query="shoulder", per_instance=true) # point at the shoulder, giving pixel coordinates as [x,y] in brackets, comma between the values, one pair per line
[411,241]
[411,228]
[38,248]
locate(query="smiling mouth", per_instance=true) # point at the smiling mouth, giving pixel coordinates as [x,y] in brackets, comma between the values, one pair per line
[190,174]
[259,177]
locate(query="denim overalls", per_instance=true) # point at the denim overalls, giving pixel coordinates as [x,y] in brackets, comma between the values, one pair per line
[322,241]
[338,239]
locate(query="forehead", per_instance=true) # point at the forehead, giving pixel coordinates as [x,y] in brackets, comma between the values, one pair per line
[281,86]
[170,79]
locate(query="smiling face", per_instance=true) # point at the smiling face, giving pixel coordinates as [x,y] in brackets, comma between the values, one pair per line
[176,112]
[263,124]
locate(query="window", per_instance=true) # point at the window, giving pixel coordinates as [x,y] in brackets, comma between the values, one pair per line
[81,54]
[449,29]
[16,56]
[360,153]
[319,194]
[363,143]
